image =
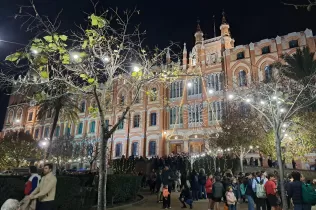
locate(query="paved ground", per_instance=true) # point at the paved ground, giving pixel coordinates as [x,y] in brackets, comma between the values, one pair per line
[151,203]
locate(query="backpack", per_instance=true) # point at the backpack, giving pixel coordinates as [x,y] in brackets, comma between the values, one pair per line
[308,194]
[243,189]
[260,190]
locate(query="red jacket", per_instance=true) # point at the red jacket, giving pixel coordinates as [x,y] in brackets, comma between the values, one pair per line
[208,185]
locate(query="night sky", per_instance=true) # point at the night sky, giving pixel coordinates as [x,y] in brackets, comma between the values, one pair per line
[167,20]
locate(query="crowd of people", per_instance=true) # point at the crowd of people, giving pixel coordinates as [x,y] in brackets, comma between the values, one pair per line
[261,191]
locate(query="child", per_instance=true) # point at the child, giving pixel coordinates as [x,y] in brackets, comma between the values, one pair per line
[231,199]
[166,197]
[159,194]
[186,197]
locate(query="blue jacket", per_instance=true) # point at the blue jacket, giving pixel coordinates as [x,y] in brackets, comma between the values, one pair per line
[295,192]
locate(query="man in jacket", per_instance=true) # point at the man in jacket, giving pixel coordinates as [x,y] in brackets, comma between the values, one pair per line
[45,192]
[218,192]
[295,191]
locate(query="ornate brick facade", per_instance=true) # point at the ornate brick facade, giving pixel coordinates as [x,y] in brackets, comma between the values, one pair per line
[194,102]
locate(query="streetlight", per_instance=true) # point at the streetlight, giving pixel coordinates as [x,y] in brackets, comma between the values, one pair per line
[136,69]
[210,91]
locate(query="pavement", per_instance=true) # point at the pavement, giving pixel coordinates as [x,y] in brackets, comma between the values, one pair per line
[150,203]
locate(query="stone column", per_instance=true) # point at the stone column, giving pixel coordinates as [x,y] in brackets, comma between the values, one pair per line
[185,146]
[167,149]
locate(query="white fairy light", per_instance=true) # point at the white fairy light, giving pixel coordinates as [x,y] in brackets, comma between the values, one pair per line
[210,91]
[248,100]
[190,84]
[274,97]
[230,96]
[282,110]
[262,102]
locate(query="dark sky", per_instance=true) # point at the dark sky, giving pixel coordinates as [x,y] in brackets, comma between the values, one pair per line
[168,20]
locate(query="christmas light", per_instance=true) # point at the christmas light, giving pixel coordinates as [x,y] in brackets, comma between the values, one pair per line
[75,56]
[230,96]
[190,84]
[250,147]
[274,97]
[210,91]
[262,102]
[282,110]
[284,125]
[105,59]
[35,52]
[248,100]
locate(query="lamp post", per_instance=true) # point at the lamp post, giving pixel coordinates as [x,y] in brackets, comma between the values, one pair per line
[44,145]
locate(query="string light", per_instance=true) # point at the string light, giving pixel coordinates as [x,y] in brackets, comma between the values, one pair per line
[262,102]
[190,84]
[230,96]
[282,110]
[274,97]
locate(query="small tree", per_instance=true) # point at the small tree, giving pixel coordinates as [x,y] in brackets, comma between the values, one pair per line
[101,55]
[288,89]
[241,128]
[16,148]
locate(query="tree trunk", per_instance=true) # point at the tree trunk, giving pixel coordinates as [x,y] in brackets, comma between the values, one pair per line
[241,159]
[51,135]
[281,170]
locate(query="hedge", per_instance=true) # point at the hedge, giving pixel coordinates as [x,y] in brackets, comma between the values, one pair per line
[73,192]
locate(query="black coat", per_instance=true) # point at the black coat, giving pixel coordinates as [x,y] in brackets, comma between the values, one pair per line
[295,192]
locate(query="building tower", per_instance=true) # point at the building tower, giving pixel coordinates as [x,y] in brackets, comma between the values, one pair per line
[227,41]
[198,34]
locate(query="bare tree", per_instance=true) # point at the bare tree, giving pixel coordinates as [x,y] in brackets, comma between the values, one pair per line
[62,149]
[286,92]
[91,62]
[308,4]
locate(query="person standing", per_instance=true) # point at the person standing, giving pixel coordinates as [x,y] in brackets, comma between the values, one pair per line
[218,192]
[249,193]
[295,191]
[166,197]
[231,199]
[293,164]
[45,192]
[195,185]
[177,181]
[32,182]
[202,181]
[208,188]
[271,190]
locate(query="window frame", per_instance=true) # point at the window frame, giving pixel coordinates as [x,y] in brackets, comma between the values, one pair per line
[151,119]
[240,55]
[265,50]
[295,45]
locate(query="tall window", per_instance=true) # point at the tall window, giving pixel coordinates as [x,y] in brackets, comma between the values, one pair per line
[265,50]
[57,131]
[268,73]
[118,150]
[107,123]
[46,132]
[242,78]
[135,149]
[176,89]
[68,129]
[121,125]
[153,119]
[214,81]
[30,117]
[215,111]
[92,127]
[10,117]
[293,43]
[240,55]
[194,86]
[82,106]
[152,148]
[136,120]
[195,114]
[122,100]
[175,114]
[36,133]
[153,94]
[49,114]
[19,115]
[80,128]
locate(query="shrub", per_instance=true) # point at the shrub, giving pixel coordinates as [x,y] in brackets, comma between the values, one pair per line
[72,192]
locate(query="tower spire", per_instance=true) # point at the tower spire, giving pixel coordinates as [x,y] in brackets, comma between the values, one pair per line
[198,27]
[224,21]
[214,26]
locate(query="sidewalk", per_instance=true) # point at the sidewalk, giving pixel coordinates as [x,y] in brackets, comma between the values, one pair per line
[151,203]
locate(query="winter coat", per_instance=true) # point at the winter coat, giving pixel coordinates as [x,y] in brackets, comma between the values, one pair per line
[295,192]
[47,188]
[186,194]
[202,179]
[194,182]
[208,185]
[218,190]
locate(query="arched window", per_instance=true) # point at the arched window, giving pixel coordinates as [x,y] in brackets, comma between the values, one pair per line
[10,117]
[268,73]
[82,106]
[135,149]
[19,115]
[68,129]
[153,94]
[92,127]
[118,150]
[242,78]
[136,120]
[122,100]
[36,133]
[46,132]
[152,148]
